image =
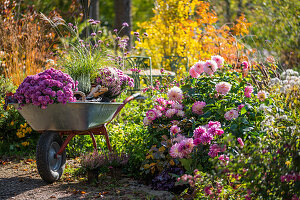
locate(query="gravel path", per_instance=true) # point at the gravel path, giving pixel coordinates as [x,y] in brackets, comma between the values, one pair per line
[20,180]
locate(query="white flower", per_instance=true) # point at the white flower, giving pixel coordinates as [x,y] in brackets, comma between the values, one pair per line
[175,94]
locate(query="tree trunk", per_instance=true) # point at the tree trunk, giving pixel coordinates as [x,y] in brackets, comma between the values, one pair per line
[228,13]
[91,11]
[123,14]
[240,8]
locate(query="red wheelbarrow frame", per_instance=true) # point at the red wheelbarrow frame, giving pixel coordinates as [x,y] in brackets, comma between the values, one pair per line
[99,130]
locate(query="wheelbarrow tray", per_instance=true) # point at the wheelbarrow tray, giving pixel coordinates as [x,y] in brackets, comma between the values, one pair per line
[75,116]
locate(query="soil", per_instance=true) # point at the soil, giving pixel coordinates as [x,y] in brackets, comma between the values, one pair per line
[19,179]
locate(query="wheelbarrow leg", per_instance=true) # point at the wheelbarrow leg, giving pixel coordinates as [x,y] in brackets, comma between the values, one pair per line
[104,132]
[66,142]
[94,141]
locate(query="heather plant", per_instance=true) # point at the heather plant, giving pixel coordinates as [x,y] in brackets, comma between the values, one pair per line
[115,80]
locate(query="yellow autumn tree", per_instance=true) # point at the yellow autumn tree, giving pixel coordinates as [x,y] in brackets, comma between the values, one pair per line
[188,28]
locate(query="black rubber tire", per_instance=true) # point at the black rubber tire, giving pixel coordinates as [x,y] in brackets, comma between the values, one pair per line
[49,143]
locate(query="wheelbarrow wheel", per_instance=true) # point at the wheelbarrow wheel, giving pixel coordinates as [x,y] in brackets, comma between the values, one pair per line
[50,166]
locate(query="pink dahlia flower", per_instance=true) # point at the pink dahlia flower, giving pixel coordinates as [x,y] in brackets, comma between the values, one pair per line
[214,123]
[151,114]
[232,114]
[199,66]
[199,131]
[240,106]
[210,67]
[262,95]
[193,72]
[219,60]
[180,113]
[171,112]
[198,106]
[240,141]
[177,106]
[245,65]
[174,152]
[248,91]
[147,121]
[175,94]
[175,129]
[186,146]
[223,88]
[206,138]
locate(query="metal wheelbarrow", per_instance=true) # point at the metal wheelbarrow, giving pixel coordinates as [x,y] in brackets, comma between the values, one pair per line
[76,118]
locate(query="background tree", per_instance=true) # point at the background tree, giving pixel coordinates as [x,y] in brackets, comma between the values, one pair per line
[123,14]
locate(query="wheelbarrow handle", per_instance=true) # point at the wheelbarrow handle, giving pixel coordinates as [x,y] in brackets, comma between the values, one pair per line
[128,99]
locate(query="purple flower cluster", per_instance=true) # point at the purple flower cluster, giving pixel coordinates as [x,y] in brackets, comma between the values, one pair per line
[48,87]
[115,80]
[293,176]
[164,109]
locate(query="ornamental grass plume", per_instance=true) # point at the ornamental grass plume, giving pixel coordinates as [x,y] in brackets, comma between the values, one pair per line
[175,94]
[223,88]
[232,114]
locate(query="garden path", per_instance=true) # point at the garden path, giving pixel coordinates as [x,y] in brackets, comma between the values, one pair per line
[20,180]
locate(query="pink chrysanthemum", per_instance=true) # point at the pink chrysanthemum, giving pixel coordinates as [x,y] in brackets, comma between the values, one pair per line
[147,121]
[262,95]
[248,91]
[210,67]
[198,106]
[219,60]
[199,131]
[175,94]
[199,66]
[193,72]
[151,114]
[240,141]
[223,88]
[170,113]
[232,114]
[175,129]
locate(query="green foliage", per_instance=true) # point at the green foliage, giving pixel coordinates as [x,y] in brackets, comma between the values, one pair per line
[16,137]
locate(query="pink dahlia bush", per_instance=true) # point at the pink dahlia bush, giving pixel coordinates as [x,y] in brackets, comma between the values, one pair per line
[48,87]
[165,109]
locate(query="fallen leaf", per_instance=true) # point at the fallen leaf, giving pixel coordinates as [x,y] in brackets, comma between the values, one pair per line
[53,196]
[82,192]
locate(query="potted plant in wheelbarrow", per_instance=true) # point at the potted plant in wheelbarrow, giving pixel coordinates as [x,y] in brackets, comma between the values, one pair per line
[47,102]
